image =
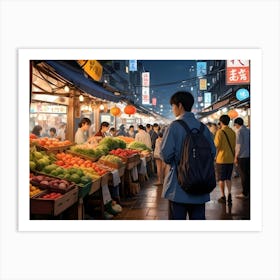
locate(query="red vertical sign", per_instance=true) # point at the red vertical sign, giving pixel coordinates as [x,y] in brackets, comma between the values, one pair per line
[237,72]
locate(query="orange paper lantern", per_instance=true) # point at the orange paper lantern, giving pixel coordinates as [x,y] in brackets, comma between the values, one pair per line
[232,114]
[130,110]
[115,111]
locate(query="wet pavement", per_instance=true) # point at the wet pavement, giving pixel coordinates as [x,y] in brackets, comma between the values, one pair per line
[148,204]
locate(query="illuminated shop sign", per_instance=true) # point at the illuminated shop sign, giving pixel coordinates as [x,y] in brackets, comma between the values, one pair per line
[237,72]
[242,94]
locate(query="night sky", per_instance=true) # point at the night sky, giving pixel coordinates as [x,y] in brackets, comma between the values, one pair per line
[166,78]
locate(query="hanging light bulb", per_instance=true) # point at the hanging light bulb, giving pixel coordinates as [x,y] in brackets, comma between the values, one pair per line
[101,107]
[81,98]
[66,89]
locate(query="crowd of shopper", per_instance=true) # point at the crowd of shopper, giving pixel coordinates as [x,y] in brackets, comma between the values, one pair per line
[230,149]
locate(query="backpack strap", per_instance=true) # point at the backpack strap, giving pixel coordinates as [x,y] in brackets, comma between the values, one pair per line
[184,124]
[228,142]
[188,130]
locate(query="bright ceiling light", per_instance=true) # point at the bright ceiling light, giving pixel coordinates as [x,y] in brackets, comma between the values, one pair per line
[66,89]
[81,98]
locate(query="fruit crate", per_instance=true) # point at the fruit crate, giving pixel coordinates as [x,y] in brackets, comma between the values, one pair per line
[132,164]
[52,188]
[133,158]
[54,149]
[114,165]
[84,189]
[82,156]
[54,207]
[38,193]
[129,159]
[95,186]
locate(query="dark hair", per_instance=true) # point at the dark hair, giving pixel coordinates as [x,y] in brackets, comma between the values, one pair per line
[132,126]
[225,119]
[84,121]
[183,97]
[155,125]
[37,129]
[52,129]
[112,129]
[104,124]
[239,121]
[160,134]
[140,126]
[148,125]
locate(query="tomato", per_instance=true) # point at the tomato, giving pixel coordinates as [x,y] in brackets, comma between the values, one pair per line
[59,162]
[42,142]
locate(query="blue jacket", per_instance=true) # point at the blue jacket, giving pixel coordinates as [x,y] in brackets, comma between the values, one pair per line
[171,147]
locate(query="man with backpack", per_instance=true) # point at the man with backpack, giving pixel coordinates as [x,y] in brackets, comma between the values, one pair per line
[190,152]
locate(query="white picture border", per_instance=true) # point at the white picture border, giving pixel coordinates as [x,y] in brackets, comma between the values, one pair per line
[24,57]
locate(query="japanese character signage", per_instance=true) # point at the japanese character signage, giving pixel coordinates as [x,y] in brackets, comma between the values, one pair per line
[145,95]
[145,88]
[201,69]
[202,84]
[154,101]
[92,67]
[237,72]
[132,65]
[146,79]
[207,99]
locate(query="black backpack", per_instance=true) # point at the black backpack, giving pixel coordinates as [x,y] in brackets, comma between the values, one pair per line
[196,171]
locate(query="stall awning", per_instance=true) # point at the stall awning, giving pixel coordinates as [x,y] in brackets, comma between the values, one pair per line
[76,76]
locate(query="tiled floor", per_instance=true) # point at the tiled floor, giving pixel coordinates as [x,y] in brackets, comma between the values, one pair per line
[148,205]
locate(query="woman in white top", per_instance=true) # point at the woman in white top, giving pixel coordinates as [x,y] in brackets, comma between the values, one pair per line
[61,132]
[143,137]
[80,136]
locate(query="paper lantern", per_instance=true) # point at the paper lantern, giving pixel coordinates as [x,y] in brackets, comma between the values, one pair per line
[232,114]
[115,111]
[130,110]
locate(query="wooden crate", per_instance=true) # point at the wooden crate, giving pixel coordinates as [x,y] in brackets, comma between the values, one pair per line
[121,171]
[131,165]
[95,186]
[133,158]
[104,180]
[56,149]
[84,189]
[113,165]
[53,207]
[82,156]
[54,189]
